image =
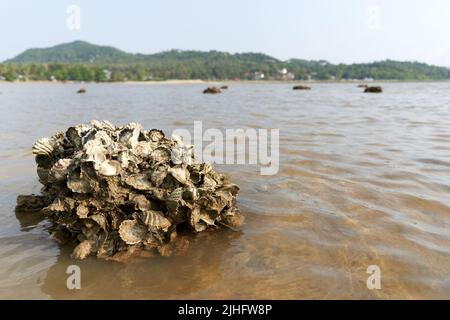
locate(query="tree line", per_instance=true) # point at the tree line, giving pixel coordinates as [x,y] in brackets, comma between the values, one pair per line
[219,67]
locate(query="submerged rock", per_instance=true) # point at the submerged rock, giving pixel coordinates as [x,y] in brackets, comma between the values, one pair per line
[224,87]
[301,87]
[110,189]
[373,90]
[212,90]
[365,86]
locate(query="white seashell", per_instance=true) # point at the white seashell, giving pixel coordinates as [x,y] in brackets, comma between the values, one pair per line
[181,174]
[94,152]
[108,168]
[132,232]
[43,147]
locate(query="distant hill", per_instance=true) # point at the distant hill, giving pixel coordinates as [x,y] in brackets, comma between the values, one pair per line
[74,52]
[85,52]
[80,60]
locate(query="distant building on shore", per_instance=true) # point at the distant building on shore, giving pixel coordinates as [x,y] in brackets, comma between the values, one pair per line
[107,74]
[258,75]
[284,75]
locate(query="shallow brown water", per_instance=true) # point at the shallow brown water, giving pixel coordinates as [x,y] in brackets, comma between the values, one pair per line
[363,180]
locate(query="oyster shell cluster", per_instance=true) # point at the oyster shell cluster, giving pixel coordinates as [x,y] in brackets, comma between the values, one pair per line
[111,188]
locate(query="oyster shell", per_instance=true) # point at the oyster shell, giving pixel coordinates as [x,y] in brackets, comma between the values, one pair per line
[155,135]
[82,250]
[139,182]
[109,168]
[161,154]
[100,220]
[82,211]
[94,152]
[43,147]
[60,170]
[132,232]
[56,206]
[158,175]
[181,174]
[79,184]
[103,125]
[154,220]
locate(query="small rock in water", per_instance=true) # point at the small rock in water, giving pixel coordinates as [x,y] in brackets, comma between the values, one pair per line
[373,90]
[300,87]
[212,90]
[81,90]
[112,190]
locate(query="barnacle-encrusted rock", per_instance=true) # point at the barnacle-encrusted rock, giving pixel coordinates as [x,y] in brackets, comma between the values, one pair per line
[112,189]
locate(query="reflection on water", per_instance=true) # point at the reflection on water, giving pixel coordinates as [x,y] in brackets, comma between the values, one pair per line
[153,277]
[364,180]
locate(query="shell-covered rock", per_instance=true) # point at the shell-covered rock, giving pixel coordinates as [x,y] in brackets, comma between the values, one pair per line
[116,188]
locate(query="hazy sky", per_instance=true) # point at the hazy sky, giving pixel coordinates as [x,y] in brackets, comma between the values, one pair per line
[335,30]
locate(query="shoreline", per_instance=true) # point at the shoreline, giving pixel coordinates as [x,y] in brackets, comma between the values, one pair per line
[222,82]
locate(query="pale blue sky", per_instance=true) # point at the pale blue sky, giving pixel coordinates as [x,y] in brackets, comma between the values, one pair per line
[335,30]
